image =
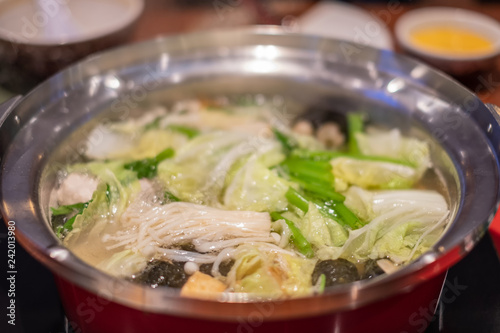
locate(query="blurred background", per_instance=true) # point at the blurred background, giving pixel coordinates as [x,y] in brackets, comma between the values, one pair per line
[40,37]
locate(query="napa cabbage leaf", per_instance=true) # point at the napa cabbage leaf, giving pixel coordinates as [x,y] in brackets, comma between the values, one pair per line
[152,142]
[320,230]
[197,173]
[393,144]
[256,187]
[116,189]
[403,224]
[371,174]
[124,263]
[106,171]
[317,228]
[108,143]
[270,274]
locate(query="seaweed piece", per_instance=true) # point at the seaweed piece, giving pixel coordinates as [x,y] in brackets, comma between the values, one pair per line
[371,269]
[163,273]
[224,267]
[336,272]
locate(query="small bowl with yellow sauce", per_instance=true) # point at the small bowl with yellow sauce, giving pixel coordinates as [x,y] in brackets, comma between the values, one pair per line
[457,41]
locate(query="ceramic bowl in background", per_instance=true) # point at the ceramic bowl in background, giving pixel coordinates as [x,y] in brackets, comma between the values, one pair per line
[39,38]
[345,21]
[460,64]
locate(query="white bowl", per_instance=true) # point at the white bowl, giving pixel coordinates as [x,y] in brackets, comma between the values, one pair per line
[347,22]
[43,22]
[456,64]
[40,37]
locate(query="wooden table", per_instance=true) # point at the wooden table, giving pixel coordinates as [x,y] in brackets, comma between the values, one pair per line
[176,16]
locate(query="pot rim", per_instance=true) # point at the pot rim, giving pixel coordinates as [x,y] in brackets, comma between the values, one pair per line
[46,248]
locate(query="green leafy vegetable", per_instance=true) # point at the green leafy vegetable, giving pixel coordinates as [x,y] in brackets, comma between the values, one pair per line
[319,190]
[338,212]
[109,201]
[393,145]
[68,209]
[120,183]
[287,142]
[317,171]
[155,124]
[107,171]
[270,274]
[404,223]
[255,187]
[326,204]
[332,209]
[170,197]
[197,174]
[134,143]
[372,174]
[146,168]
[74,210]
[320,229]
[187,131]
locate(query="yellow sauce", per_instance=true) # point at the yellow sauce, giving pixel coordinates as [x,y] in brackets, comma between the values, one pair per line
[448,40]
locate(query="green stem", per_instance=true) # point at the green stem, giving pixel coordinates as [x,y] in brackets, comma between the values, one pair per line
[348,216]
[297,238]
[320,171]
[167,153]
[170,197]
[320,190]
[297,200]
[354,125]
[332,209]
[320,155]
[300,164]
[287,142]
[187,131]
[155,124]
[343,215]
[316,155]
[321,283]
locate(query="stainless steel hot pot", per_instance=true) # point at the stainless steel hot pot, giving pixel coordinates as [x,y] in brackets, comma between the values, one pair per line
[44,129]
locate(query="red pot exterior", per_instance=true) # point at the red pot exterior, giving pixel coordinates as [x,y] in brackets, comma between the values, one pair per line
[407,312]
[495,232]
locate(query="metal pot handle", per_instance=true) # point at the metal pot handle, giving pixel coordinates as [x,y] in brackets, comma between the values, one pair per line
[494,227]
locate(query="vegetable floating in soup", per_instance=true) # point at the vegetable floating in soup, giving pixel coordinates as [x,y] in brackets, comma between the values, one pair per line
[216,197]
